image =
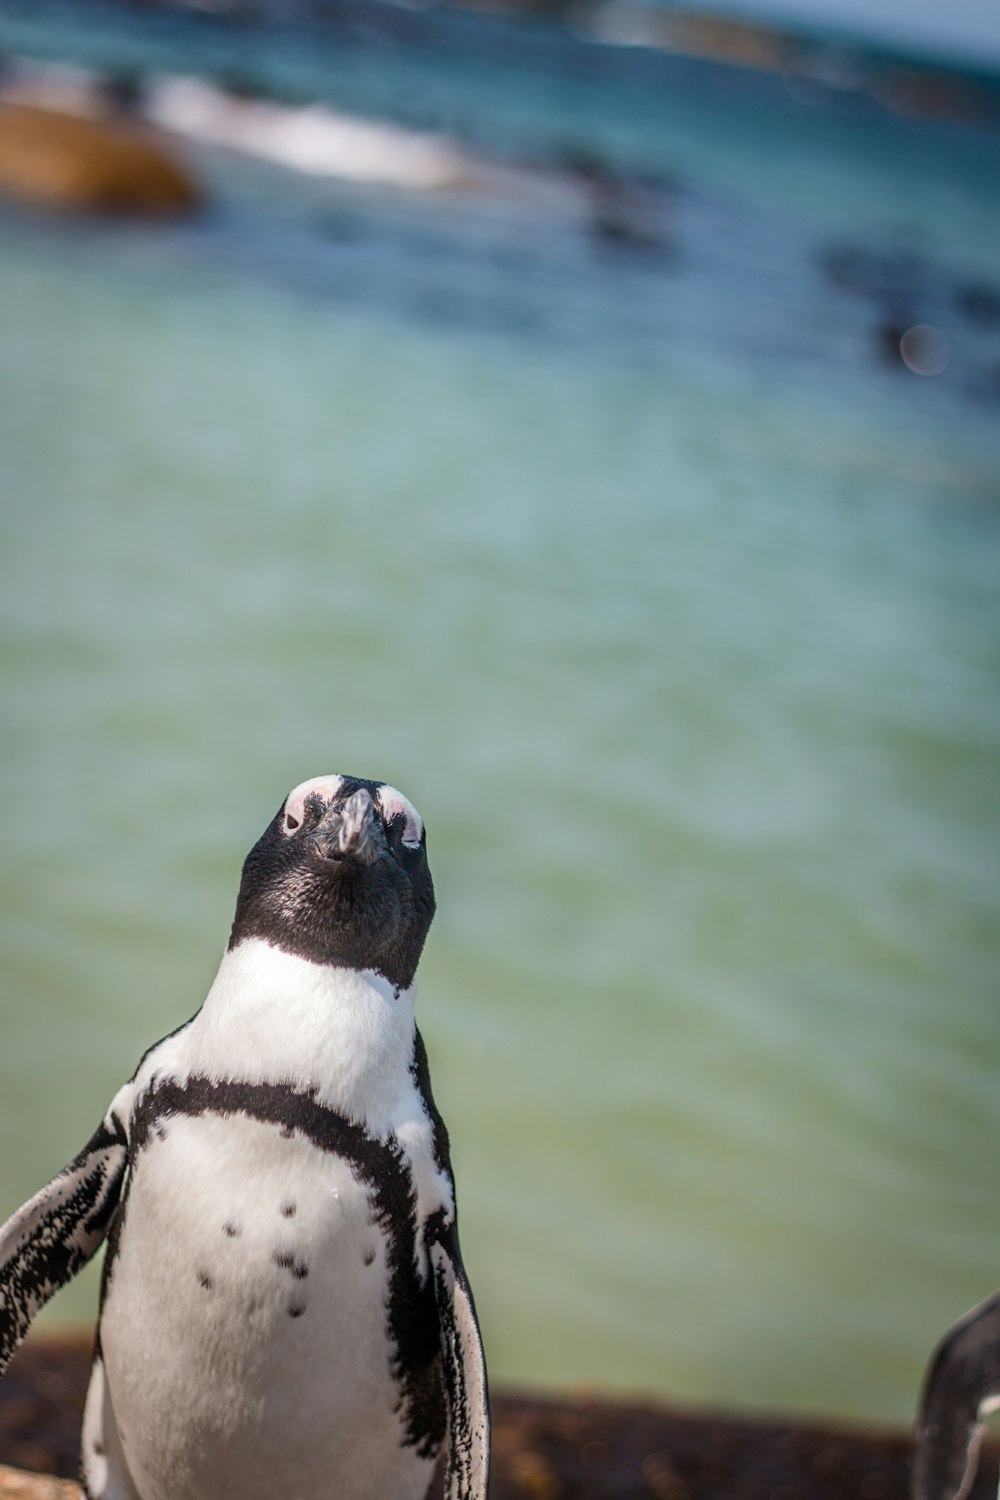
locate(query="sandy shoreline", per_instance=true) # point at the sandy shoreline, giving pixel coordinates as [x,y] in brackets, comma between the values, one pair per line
[578,1446]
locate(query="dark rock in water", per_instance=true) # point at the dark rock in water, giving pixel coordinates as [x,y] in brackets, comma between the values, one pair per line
[241,84]
[884,275]
[980,302]
[623,210]
[124,91]
[93,165]
[888,335]
[578,1447]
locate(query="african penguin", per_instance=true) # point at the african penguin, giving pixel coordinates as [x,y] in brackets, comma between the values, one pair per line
[961,1388]
[284,1310]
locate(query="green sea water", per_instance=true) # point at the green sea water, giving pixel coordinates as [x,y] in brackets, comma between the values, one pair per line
[692,670]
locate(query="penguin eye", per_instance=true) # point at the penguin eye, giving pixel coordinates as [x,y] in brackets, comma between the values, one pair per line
[397,810]
[402,834]
[302,810]
[308,801]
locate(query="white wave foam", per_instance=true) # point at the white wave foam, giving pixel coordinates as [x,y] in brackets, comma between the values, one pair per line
[313,139]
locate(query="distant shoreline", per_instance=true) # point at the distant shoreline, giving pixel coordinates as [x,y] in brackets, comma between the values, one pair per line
[576,1446]
[816,63]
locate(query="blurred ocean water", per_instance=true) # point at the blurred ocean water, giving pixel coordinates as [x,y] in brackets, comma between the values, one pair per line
[669,599]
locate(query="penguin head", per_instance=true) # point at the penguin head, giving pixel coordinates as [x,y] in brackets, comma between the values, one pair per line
[340,876]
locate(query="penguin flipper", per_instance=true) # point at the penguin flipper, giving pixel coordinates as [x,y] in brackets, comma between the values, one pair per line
[57,1231]
[961,1386]
[467,1464]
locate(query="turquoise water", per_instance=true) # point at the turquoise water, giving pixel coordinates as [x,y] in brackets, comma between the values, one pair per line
[674,612]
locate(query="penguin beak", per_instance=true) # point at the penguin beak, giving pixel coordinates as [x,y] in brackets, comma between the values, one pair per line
[350,833]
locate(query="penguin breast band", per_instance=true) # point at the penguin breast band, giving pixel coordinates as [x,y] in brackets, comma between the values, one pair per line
[284,1309]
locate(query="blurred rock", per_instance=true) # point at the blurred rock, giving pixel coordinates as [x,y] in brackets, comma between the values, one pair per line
[622,210]
[16,1485]
[979,302]
[885,275]
[86,164]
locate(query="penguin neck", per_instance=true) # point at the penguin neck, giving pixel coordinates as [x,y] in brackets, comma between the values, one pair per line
[346,1033]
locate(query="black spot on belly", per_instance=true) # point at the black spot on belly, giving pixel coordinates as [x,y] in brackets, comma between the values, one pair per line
[98,1447]
[296,1309]
[288,1209]
[369,1257]
[232,1230]
[205,1280]
[290,1262]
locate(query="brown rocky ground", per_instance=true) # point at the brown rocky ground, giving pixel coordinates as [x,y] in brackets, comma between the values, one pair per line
[16,1484]
[572,1447]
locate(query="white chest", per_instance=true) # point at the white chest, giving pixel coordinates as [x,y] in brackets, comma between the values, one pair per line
[263,1320]
[247,1316]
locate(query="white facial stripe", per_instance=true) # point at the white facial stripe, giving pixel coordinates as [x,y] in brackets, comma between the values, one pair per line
[295,802]
[392,804]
